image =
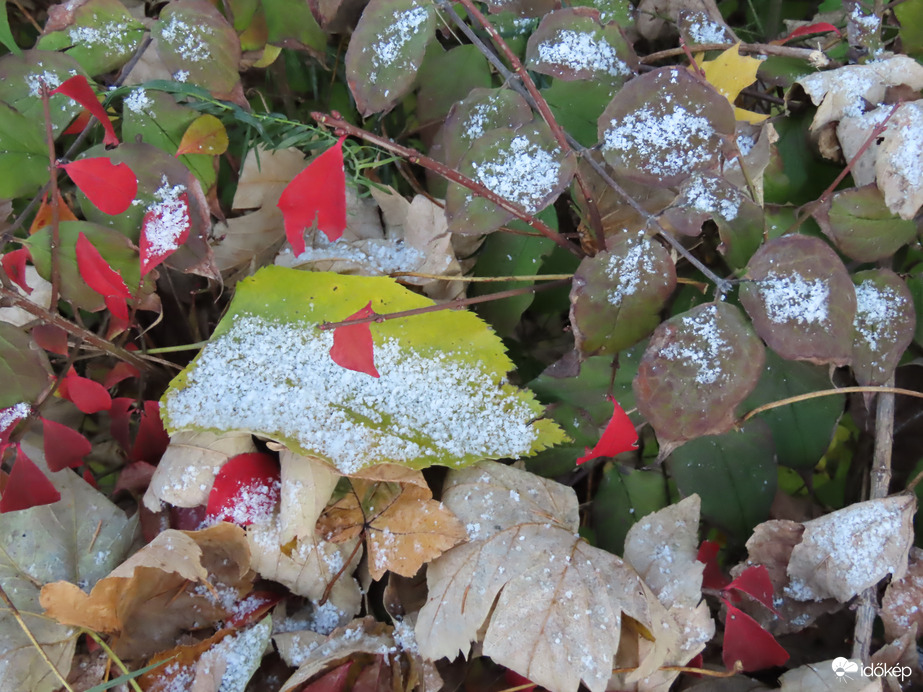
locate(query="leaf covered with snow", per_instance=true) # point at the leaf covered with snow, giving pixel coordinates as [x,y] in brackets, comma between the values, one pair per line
[664,126]
[269,343]
[617,295]
[884,324]
[697,368]
[386,50]
[801,299]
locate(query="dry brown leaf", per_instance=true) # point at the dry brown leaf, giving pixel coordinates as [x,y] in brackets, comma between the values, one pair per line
[181,580]
[41,295]
[186,472]
[901,653]
[658,18]
[902,604]
[817,677]
[549,604]
[228,665]
[307,484]
[391,473]
[755,144]
[403,527]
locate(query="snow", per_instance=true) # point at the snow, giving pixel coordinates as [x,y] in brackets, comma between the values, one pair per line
[793,298]
[628,269]
[702,329]
[242,653]
[11,415]
[137,101]
[386,51]
[35,82]
[707,196]
[875,312]
[379,255]
[169,219]
[523,173]
[327,617]
[279,379]
[663,142]
[703,30]
[187,40]
[851,87]
[579,50]
[109,34]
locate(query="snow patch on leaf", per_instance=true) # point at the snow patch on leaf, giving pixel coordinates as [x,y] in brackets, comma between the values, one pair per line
[391,43]
[627,271]
[579,50]
[524,173]
[704,354]
[793,298]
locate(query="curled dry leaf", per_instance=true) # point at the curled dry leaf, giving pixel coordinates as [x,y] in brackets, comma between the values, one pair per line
[900,606]
[823,676]
[549,605]
[181,580]
[403,527]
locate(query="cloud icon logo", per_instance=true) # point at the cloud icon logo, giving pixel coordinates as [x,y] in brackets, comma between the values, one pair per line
[841,666]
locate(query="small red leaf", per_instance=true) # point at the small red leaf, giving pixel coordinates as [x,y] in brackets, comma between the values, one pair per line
[165,228]
[90,479]
[332,681]
[747,642]
[252,608]
[27,486]
[97,273]
[353,348]
[80,122]
[755,581]
[51,338]
[246,490]
[78,88]
[14,264]
[64,447]
[87,395]
[318,194]
[151,440]
[619,436]
[9,419]
[819,28]
[120,371]
[110,187]
[712,577]
[135,477]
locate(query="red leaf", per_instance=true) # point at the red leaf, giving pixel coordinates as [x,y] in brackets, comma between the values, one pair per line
[135,477]
[252,608]
[755,581]
[245,490]
[64,447]
[80,122]
[353,348]
[51,338]
[747,642]
[87,395]
[186,518]
[151,440]
[819,28]
[120,371]
[165,228]
[619,436]
[712,577]
[333,681]
[514,679]
[27,486]
[110,187]
[119,419]
[9,419]
[318,194]
[14,264]
[97,273]
[90,478]
[78,88]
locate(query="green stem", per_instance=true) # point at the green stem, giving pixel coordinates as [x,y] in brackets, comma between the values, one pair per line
[112,656]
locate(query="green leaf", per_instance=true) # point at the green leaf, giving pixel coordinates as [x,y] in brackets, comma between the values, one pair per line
[577,106]
[442,397]
[617,295]
[618,11]
[624,497]
[24,369]
[734,474]
[20,87]
[481,111]
[292,25]
[99,34]
[802,431]
[884,325]
[197,45]
[386,51]
[860,224]
[23,154]
[522,8]
[437,95]
[910,15]
[801,300]
[6,35]
[697,368]
[665,125]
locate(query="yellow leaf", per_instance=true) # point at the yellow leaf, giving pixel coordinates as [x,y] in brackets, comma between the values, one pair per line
[729,73]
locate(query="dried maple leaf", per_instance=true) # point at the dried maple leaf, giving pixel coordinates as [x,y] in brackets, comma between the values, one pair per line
[550,606]
[403,527]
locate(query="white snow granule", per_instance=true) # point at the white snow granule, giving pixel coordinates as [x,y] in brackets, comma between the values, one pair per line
[793,298]
[523,173]
[705,353]
[579,50]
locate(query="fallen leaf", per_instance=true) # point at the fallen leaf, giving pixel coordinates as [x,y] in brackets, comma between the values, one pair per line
[900,606]
[205,135]
[228,665]
[78,88]
[619,436]
[755,581]
[110,187]
[26,486]
[730,73]
[316,195]
[307,485]
[64,446]
[747,642]
[712,576]
[353,348]
[403,527]
[245,490]
[829,676]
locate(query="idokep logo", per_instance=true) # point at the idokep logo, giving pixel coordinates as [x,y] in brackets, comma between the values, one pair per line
[842,667]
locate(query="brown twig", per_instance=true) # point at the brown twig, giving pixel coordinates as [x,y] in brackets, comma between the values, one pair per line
[810,54]
[334,121]
[828,392]
[451,305]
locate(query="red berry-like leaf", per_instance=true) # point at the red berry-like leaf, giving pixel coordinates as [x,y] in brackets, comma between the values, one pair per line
[64,447]
[712,577]
[87,395]
[14,264]
[27,486]
[164,230]
[51,338]
[353,348]
[245,490]
[78,88]
[756,582]
[747,642]
[110,187]
[619,436]
[318,194]
[151,439]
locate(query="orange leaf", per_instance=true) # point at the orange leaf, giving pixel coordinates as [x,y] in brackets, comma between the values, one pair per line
[206,135]
[43,215]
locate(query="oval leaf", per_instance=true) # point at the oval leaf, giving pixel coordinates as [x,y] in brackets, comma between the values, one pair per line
[110,187]
[481,111]
[24,370]
[96,271]
[26,486]
[801,300]
[64,447]
[14,264]
[84,393]
[747,642]
[386,50]
[78,88]
[697,368]
[619,436]
[206,135]
[616,296]
[665,125]
[246,490]
[884,325]
[166,226]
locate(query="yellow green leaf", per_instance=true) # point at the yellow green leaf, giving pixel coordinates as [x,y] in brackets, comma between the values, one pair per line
[730,73]
[206,135]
